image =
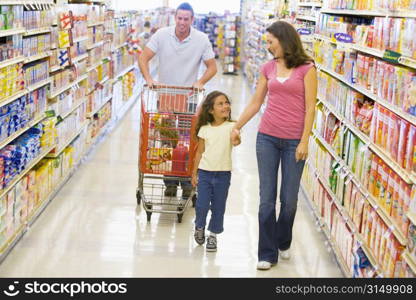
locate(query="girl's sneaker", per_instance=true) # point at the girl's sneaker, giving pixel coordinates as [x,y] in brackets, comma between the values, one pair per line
[199,236]
[212,243]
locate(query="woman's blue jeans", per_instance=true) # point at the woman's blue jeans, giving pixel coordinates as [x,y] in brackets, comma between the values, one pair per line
[212,194]
[276,234]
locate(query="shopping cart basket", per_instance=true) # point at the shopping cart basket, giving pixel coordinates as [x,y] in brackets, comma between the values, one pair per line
[167,148]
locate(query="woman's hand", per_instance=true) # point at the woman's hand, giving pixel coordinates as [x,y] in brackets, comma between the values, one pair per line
[194,180]
[302,151]
[235,137]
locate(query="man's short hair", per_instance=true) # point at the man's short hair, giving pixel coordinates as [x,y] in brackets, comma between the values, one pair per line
[185,6]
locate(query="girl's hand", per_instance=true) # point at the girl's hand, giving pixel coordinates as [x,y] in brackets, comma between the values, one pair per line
[194,180]
[235,137]
[302,151]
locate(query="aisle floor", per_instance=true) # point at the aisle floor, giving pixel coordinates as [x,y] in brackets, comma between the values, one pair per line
[94,228]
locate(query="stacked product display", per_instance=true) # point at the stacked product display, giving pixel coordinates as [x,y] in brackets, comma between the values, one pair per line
[306,17]
[61,66]
[228,41]
[257,15]
[360,175]
[209,24]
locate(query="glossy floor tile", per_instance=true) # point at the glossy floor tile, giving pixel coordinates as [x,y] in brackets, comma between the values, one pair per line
[94,228]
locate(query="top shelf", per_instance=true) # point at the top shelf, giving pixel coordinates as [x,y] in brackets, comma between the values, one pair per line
[25,2]
[371,13]
[310,4]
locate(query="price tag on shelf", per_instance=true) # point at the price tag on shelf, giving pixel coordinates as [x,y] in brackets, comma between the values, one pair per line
[388,233]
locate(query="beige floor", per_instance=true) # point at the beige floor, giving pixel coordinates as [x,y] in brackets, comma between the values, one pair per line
[93,228]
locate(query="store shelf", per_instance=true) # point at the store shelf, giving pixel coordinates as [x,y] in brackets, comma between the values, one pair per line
[96,24]
[118,47]
[411,261]
[306,39]
[403,60]
[37,31]
[28,168]
[104,80]
[13,61]
[345,214]
[306,18]
[372,13]
[412,217]
[325,229]
[93,67]
[310,4]
[406,176]
[56,68]
[380,210]
[370,95]
[11,241]
[91,114]
[353,12]
[26,2]
[18,133]
[60,91]
[63,116]
[80,39]
[9,32]
[13,97]
[98,44]
[37,57]
[408,62]
[125,71]
[66,143]
[79,58]
[40,84]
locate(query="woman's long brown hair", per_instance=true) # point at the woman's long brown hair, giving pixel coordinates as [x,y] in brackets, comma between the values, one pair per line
[289,39]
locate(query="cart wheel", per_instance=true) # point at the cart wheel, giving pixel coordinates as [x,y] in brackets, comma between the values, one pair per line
[138,197]
[149,216]
[180,218]
[194,200]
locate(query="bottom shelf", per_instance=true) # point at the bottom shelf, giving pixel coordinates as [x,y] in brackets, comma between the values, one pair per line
[37,211]
[341,262]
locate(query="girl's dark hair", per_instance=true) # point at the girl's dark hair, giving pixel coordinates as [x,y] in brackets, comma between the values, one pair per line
[204,115]
[289,39]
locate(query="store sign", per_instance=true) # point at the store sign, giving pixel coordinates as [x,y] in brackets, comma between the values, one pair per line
[391,56]
[304,31]
[343,37]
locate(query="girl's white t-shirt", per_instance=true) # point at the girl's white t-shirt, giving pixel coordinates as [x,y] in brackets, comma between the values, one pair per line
[218,147]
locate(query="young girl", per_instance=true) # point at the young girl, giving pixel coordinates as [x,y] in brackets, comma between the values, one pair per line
[212,169]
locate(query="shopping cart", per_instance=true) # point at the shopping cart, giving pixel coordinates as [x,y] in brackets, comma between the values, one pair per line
[167,148]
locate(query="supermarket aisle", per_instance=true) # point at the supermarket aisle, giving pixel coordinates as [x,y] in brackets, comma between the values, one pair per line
[94,229]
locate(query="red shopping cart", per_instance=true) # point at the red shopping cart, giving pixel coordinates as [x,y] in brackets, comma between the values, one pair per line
[167,148]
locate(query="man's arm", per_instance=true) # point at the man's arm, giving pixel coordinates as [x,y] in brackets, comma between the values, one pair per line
[144,59]
[210,72]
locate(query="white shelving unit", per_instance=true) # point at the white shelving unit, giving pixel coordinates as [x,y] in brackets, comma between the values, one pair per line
[392,226]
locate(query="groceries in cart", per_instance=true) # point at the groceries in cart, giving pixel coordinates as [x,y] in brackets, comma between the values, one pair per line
[168,144]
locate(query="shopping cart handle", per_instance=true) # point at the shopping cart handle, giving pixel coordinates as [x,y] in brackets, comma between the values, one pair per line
[166,86]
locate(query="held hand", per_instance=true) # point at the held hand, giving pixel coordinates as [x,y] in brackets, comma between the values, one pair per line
[235,137]
[198,85]
[151,83]
[302,151]
[194,180]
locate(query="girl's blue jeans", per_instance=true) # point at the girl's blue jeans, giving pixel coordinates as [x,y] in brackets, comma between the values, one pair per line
[212,194]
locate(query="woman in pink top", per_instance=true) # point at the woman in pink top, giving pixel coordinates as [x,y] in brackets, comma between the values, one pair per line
[290,82]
